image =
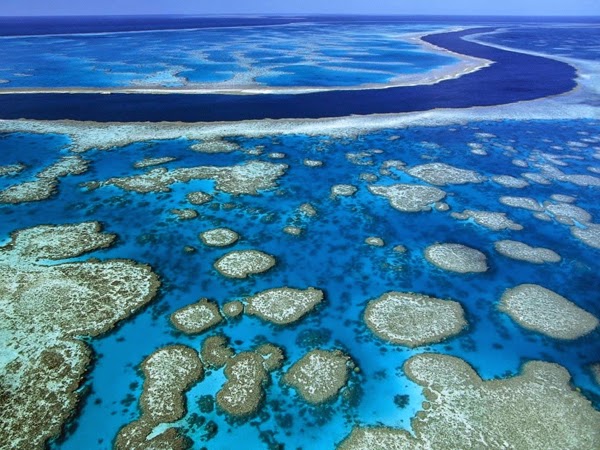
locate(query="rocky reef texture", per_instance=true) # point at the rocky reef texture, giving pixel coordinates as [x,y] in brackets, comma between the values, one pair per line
[58,241]
[343,190]
[495,221]
[307,209]
[233,309]
[523,252]
[30,191]
[46,183]
[368,177]
[590,235]
[510,182]
[219,237]
[11,169]
[595,369]
[563,198]
[149,162]
[456,258]
[243,263]
[535,409]
[313,163]
[319,375]
[520,163]
[566,213]
[539,309]
[247,178]
[294,231]
[273,356]
[522,202]
[414,319]
[537,178]
[45,310]
[247,376]
[169,372]
[198,198]
[409,197]
[243,392]
[387,166]
[285,305]
[441,174]
[216,351]
[196,318]
[374,241]
[185,214]
[553,173]
[360,158]
[215,146]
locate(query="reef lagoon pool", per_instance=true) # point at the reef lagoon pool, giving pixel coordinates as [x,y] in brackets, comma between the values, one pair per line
[401,256]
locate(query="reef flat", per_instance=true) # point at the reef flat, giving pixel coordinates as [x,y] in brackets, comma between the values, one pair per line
[408,197]
[456,258]
[46,181]
[589,235]
[522,202]
[246,373]
[441,174]
[285,305]
[523,252]
[247,178]
[168,372]
[542,310]
[149,162]
[11,169]
[243,392]
[243,263]
[319,375]
[45,311]
[196,318]
[343,190]
[463,411]
[413,319]
[219,237]
[495,221]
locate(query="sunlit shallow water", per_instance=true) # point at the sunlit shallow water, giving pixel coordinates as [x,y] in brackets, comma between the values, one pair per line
[284,56]
[330,254]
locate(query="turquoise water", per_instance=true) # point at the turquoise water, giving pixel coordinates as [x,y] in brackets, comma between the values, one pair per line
[261,56]
[330,255]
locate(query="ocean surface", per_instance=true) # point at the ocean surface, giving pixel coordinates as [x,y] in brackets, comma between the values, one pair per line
[291,55]
[330,253]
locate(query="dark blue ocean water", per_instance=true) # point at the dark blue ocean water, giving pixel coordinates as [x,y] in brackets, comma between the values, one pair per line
[513,77]
[581,41]
[330,255]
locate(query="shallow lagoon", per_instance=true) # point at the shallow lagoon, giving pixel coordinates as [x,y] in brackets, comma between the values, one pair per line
[330,254]
[290,55]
